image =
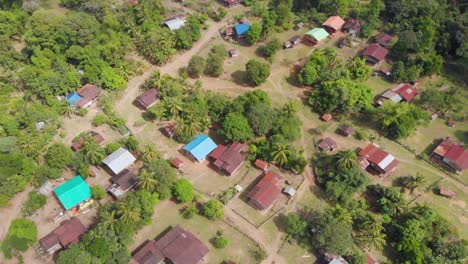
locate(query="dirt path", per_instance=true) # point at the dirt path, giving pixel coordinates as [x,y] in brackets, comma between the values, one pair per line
[12,210]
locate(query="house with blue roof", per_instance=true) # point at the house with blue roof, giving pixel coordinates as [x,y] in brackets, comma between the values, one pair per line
[73,98]
[200,147]
[241,30]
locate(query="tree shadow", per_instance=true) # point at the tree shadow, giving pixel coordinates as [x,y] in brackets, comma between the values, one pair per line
[240,77]
[279,221]
[462,136]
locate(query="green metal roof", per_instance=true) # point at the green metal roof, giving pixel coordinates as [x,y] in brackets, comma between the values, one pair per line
[318,33]
[73,192]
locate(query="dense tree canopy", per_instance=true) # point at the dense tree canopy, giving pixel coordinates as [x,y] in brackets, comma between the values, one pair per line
[400,120]
[257,72]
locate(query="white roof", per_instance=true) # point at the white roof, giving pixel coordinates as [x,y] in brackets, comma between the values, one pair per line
[119,160]
[385,162]
[175,23]
[46,188]
[289,190]
[392,96]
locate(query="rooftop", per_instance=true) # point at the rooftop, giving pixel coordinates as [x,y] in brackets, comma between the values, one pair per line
[334,22]
[228,159]
[406,91]
[376,51]
[119,160]
[318,34]
[374,154]
[125,179]
[200,147]
[174,23]
[148,97]
[68,232]
[73,192]
[241,29]
[266,190]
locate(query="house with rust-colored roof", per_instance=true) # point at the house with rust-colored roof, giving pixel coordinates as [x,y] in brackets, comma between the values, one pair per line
[265,192]
[228,159]
[327,144]
[452,154]
[89,93]
[383,39]
[263,165]
[69,231]
[149,98]
[375,53]
[178,246]
[404,92]
[376,160]
[351,26]
[333,24]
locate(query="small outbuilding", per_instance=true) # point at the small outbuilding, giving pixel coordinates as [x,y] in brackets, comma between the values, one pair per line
[446,192]
[122,183]
[333,24]
[231,3]
[290,191]
[148,98]
[241,30]
[175,22]
[352,27]
[316,35]
[383,39]
[177,163]
[346,131]
[168,129]
[327,144]
[263,165]
[233,53]
[119,160]
[326,117]
[375,53]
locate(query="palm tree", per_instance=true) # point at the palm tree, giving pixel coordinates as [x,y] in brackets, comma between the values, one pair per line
[174,106]
[291,107]
[418,182]
[281,153]
[150,153]
[346,159]
[67,110]
[353,63]
[180,126]
[193,125]
[129,213]
[341,215]
[108,219]
[92,152]
[373,236]
[146,181]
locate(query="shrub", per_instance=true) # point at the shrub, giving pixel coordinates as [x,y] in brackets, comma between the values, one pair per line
[100,119]
[183,191]
[82,112]
[220,242]
[213,210]
[21,235]
[35,201]
[189,212]
[361,135]
[98,192]
[111,147]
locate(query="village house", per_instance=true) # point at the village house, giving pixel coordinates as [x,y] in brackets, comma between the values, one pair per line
[404,92]
[375,53]
[346,131]
[315,35]
[177,163]
[326,117]
[263,165]
[352,27]
[178,246]
[122,183]
[175,22]
[77,145]
[231,3]
[119,160]
[265,192]
[84,97]
[168,129]
[228,159]
[333,24]
[69,231]
[383,39]
[233,53]
[446,192]
[73,194]
[376,160]
[148,98]
[200,147]
[327,144]
[292,42]
[241,30]
[334,259]
[452,154]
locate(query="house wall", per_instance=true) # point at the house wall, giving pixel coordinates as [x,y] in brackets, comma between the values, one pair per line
[452,164]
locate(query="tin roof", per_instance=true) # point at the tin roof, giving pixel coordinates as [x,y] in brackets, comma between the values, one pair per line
[266,190]
[119,160]
[73,192]
[318,34]
[334,22]
[200,147]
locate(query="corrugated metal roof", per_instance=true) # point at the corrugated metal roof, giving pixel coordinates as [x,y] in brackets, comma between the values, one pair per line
[119,160]
[241,29]
[200,147]
[73,192]
[175,23]
[318,33]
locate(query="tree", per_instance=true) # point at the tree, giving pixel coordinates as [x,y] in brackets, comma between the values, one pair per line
[99,248]
[373,236]
[262,118]
[183,191]
[281,153]
[67,110]
[98,192]
[59,155]
[236,128]
[147,181]
[35,201]
[196,66]
[220,242]
[270,48]
[400,120]
[129,213]
[413,182]
[150,153]
[346,159]
[189,212]
[254,33]
[294,225]
[92,152]
[358,68]
[75,254]
[257,72]
[331,235]
[213,210]
[21,235]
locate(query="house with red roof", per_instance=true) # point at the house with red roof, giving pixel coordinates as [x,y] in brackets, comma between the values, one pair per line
[333,24]
[452,154]
[263,165]
[376,160]
[265,192]
[148,98]
[69,231]
[370,260]
[178,246]
[375,53]
[404,92]
[228,159]
[383,39]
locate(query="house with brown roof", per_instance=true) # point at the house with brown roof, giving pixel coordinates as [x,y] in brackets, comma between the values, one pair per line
[346,131]
[231,3]
[375,53]
[327,144]
[263,165]
[451,153]
[383,39]
[177,163]
[446,192]
[149,98]
[168,129]
[265,192]
[228,159]
[122,183]
[376,160]
[178,246]
[89,94]
[333,24]
[352,27]
[69,231]
[78,144]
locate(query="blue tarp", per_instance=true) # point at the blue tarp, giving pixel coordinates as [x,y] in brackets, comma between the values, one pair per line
[73,98]
[241,29]
[200,147]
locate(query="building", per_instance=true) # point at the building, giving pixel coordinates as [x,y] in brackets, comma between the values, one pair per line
[327,144]
[452,154]
[149,98]
[292,42]
[404,92]
[334,259]
[69,231]
[178,246]
[231,3]
[326,117]
[122,183]
[333,24]
[290,191]
[241,30]
[84,97]
[375,53]
[169,129]
[175,22]
[346,131]
[177,163]
[316,35]
[383,39]
[228,159]
[78,144]
[73,192]
[200,147]
[265,192]
[263,165]
[233,53]
[119,160]
[446,192]
[352,27]
[370,260]
[376,160]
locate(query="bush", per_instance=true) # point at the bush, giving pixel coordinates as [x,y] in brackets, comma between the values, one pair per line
[35,201]
[220,242]
[213,210]
[59,156]
[257,72]
[183,191]
[98,192]
[21,235]
[361,135]
[189,212]
[260,255]
[111,147]
[82,112]
[100,119]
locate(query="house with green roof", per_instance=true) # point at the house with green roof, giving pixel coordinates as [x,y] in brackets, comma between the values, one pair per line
[316,35]
[73,192]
